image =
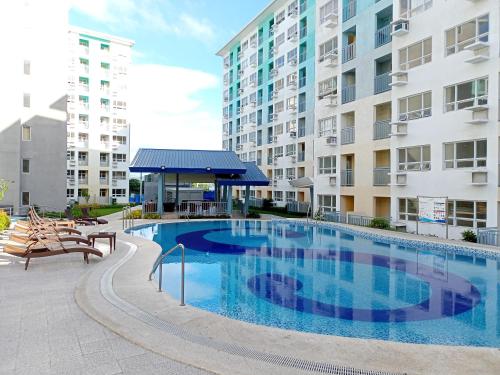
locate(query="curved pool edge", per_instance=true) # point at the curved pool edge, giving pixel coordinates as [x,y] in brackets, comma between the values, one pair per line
[131,285]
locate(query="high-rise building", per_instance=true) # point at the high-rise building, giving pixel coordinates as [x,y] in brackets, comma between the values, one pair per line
[33,104]
[375,102]
[98,122]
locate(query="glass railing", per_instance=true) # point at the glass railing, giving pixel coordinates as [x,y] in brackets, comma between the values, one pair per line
[381,83]
[381,176]
[348,94]
[382,129]
[348,52]
[383,36]
[347,177]
[347,135]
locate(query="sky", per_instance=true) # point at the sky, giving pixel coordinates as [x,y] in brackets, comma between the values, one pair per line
[175,87]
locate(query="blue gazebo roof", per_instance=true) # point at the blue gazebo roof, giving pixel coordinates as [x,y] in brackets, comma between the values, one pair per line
[186,161]
[225,165]
[252,177]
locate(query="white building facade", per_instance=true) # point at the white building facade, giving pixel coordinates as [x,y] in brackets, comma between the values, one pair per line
[98,123]
[400,97]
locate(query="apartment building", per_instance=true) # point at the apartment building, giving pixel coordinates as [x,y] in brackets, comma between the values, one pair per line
[98,134]
[33,104]
[395,99]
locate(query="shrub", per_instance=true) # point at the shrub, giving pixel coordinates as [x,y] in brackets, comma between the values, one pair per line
[152,216]
[4,220]
[267,204]
[253,215]
[469,236]
[380,223]
[137,214]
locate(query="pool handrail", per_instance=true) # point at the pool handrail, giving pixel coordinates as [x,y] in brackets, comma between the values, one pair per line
[159,263]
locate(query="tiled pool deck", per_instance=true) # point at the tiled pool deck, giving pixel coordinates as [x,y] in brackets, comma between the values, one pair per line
[140,331]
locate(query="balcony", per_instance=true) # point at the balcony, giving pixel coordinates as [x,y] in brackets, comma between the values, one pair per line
[83,181]
[84,88]
[381,176]
[348,52]
[84,106]
[103,181]
[383,36]
[382,129]
[349,10]
[347,177]
[348,94]
[347,135]
[83,163]
[301,156]
[382,83]
[104,163]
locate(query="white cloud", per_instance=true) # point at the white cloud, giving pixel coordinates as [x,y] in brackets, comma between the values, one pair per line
[166,109]
[160,15]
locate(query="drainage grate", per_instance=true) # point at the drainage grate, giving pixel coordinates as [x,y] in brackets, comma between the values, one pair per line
[108,293]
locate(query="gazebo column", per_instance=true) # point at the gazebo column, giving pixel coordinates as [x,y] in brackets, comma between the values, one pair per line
[311,193]
[229,192]
[177,191]
[247,200]
[224,193]
[161,189]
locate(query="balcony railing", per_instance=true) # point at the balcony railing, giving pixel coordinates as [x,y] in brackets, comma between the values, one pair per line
[381,176]
[348,52]
[348,94]
[382,129]
[382,82]
[83,163]
[383,36]
[83,181]
[301,156]
[104,164]
[103,181]
[347,135]
[297,207]
[347,177]
[349,10]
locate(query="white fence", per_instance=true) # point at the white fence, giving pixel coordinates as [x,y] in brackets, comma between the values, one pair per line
[202,209]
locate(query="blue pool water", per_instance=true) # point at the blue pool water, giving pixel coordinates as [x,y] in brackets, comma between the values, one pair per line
[322,280]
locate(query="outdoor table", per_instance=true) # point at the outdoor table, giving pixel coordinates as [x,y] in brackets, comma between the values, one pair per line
[110,235]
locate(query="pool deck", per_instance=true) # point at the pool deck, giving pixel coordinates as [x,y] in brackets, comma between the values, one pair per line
[142,331]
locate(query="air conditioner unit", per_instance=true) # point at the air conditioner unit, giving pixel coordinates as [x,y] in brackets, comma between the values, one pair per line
[273,117]
[399,128]
[293,134]
[276,49]
[293,62]
[253,83]
[400,27]
[293,159]
[274,93]
[294,37]
[332,59]
[241,90]
[399,78]
[331,100]
[239,147]
[293,13]
[292,85]
[331,20]
[292,107]
[275,139]
[274,72]
[253,144]
[333,181]
[401,178]
[331,140]
[253,44]
[479,177]
[253,103]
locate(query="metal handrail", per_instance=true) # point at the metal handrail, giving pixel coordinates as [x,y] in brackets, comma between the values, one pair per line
[127,217]
[159,263]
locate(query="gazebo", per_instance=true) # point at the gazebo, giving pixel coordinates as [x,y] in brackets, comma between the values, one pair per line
[222,168]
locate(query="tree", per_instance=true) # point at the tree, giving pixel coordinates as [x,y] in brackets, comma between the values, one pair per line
[134,186]
[4,186]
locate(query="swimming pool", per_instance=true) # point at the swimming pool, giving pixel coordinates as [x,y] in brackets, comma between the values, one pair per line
[325,280]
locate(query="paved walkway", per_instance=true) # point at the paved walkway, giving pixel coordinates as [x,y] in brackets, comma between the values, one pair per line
[43,331]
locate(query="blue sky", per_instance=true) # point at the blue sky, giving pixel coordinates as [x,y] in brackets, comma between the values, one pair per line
[175,89]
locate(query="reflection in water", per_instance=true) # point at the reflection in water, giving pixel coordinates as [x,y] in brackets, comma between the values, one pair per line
[320,280]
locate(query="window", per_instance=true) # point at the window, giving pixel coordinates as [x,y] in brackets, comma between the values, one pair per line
[291,103]
[119,158]
[292,55]
[290,174]
[466,94]
[328,203]
[469,154]
[461,36]
[327,165]
[327,49]
[327,87]
[26,133]
[278,129]
[27,67]
[26,165]
[278,196]
[327,10]
[280,39]
[280,61]
[122,140]
[103,193]
[409,8]
[25,198]
[293,8]
[470,214]
[279,84]
[83,42]
[278,174]
[417,54]
[70,155]
[26,100]
[70,193]
[290,149]
[416,158]
[290,196]
[280,17]
[119,193]
[278,152]
[292,31]
[408,209]
[415,107]
[119,175]
[327,126]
